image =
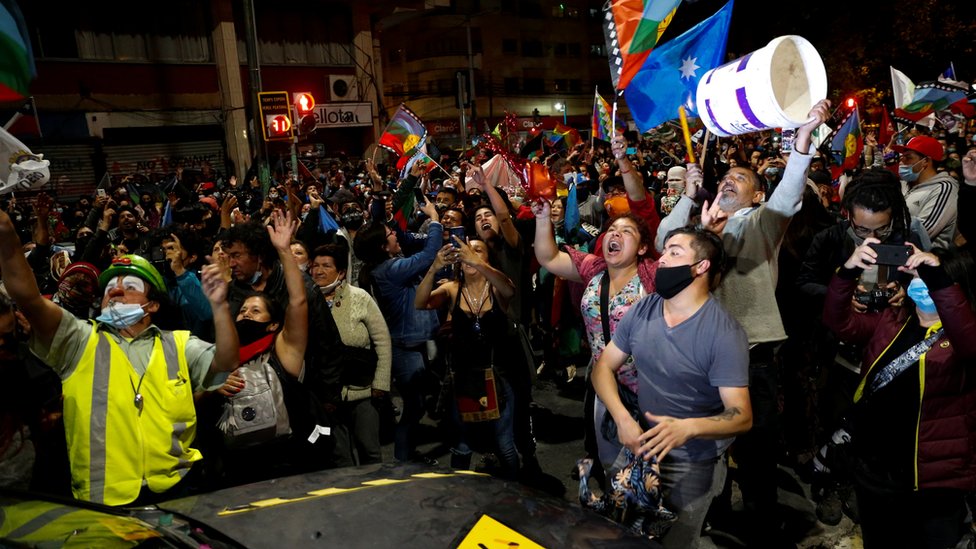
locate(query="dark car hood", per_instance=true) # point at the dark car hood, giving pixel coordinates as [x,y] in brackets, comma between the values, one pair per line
[398,506]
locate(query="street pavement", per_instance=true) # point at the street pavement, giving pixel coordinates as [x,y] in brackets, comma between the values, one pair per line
[558,421]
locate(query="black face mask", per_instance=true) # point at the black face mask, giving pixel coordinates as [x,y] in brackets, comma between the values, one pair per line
[670,281]
[249,331]
[352,220]
[80,244]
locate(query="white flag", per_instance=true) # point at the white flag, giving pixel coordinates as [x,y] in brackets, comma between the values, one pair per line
[20,169]
[902,87]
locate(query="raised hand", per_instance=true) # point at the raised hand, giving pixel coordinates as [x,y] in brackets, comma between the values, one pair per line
[214,283]
[447,255]
[817,116]
[282,229]
[713,218]
[467,253]
[541,209]
[429,209]
[228,205]
[693,180]
[174,254]
[314,198]
[475,174]
[969,166]
[619,147]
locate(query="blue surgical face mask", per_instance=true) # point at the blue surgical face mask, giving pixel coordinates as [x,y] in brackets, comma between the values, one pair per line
[907,173]
[121,315]
[919,292]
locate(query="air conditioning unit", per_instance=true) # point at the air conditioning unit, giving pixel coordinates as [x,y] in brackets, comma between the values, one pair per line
[343,87]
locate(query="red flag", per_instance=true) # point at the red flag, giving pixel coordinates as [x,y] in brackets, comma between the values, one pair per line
[886,130]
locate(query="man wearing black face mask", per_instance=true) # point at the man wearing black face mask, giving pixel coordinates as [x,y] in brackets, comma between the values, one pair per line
[351,220]
[693,390]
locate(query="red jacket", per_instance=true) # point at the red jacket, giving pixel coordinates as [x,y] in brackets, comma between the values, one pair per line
[945,442]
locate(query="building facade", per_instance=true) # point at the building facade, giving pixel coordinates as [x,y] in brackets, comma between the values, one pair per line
[121,93]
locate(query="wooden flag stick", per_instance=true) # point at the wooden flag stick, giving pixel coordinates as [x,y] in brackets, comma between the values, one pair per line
[701,160]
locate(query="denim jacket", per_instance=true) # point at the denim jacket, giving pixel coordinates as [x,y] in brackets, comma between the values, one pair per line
[395,286]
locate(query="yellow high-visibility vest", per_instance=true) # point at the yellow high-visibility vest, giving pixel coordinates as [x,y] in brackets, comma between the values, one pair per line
[124,432]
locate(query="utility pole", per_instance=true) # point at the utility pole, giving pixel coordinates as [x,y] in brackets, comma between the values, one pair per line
[471,94]
[461,96]
[254,73]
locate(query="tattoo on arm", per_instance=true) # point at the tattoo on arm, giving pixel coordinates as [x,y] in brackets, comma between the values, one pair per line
[728,415]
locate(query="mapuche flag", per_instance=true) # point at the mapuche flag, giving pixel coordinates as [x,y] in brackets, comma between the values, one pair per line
[404,133]
[632,28]
[847,144]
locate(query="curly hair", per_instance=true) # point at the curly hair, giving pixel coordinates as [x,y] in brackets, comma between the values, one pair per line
[254,236]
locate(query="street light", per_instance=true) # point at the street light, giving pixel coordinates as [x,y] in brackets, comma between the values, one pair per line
[559,106]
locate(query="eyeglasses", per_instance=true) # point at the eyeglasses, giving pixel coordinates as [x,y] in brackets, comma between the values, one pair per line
[880,233]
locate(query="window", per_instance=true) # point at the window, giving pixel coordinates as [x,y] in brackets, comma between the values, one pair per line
[575,85]
[533,85]
[573,48]
[509,46]
[530,8]
[559,48]
[511,85]
[560,84]
[532,48]
[597,50]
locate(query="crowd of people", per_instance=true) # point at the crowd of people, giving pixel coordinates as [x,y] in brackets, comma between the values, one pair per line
[203,332]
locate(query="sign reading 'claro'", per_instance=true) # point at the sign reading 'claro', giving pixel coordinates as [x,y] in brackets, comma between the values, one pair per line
[343,115]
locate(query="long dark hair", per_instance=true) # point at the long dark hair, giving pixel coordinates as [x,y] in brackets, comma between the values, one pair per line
[369,247]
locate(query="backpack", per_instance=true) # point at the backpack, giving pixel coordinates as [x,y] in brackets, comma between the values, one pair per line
[258,413]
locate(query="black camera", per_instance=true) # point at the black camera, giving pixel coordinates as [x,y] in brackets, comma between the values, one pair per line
[875,299]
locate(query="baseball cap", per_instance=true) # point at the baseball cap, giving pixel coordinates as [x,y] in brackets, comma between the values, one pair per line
[134,265]
[211,202]
[923,145]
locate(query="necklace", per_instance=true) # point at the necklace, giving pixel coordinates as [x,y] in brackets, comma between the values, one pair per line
[480,304]
[138,400]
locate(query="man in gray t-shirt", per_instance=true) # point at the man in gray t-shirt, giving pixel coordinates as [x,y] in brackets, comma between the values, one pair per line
[693,365]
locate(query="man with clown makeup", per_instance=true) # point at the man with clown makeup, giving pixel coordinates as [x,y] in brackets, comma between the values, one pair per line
[128,385]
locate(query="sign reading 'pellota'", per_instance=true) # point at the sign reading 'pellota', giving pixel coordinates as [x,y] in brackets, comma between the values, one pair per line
[343,115]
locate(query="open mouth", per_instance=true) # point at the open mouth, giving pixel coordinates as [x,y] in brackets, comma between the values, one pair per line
[614,246]
[486,226]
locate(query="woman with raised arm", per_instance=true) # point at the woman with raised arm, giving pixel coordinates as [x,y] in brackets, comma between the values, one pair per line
[481,346]
[256,424]
[613,282]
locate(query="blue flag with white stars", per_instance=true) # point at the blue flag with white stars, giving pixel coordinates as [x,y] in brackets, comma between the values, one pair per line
[671,73]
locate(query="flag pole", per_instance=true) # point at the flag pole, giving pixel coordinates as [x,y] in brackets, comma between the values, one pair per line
[701,159]
[435,163]
[596,93]
[613,119]
[684,130]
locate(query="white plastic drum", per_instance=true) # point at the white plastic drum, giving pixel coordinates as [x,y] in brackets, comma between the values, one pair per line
[772,87]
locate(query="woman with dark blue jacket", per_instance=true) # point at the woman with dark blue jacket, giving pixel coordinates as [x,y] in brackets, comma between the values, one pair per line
[392,279]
